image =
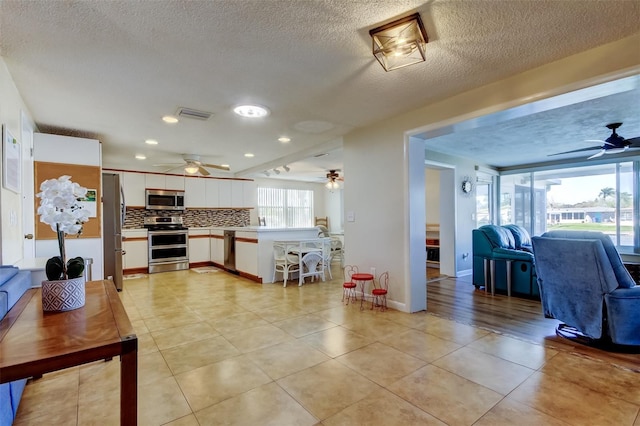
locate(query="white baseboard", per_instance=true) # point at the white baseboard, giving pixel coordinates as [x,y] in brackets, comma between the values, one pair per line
[464,273]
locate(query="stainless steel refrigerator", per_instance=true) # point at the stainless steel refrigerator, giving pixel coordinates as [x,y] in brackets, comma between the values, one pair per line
[113,213]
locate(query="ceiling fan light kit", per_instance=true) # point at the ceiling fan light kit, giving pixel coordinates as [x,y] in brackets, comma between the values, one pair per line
[400,43]
[192,169]
[333,176]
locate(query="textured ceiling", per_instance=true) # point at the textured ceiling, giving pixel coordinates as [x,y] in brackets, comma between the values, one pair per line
[111,69]
[536,133]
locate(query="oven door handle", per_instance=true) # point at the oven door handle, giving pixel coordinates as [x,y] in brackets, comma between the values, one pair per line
[169,231]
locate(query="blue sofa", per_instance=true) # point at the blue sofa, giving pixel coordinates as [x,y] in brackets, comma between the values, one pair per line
[584,284]
[503,260]
[13,284]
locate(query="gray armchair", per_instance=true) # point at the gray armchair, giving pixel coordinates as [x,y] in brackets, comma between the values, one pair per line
[584,283]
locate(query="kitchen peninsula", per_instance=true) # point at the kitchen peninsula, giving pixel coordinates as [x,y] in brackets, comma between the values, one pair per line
[253,248]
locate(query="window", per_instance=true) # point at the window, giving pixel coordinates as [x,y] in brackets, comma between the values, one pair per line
[593,198]
[484,199]
[286,208]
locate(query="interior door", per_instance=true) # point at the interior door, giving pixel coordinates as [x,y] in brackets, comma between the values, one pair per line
[28,197]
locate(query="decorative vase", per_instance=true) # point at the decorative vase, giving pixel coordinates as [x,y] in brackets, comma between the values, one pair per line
[63,295]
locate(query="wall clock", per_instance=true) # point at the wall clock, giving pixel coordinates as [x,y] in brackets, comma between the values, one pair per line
[467,185]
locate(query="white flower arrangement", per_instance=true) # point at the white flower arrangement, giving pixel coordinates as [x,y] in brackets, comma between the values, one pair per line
[61,209]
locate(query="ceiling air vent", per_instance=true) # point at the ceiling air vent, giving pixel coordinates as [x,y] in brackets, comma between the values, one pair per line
[193,113]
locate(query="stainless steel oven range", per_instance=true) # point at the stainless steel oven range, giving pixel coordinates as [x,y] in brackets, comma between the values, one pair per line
[168,241]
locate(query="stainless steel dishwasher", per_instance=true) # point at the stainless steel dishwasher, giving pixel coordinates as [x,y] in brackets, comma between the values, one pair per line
[230,251]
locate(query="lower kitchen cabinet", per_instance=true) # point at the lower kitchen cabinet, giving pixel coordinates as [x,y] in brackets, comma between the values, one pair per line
[199,246]
[136,254]
[216,244]
[136,248]
[247,253]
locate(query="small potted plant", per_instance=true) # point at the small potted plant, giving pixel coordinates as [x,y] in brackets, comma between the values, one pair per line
[61,209]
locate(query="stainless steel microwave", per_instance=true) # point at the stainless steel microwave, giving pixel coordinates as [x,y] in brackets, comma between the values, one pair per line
[158,199]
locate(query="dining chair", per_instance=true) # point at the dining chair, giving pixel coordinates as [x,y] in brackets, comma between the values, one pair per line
[311,266]
[323,221]
[337,250]
[284,261]
[349,286]
[326,256]
[379,291]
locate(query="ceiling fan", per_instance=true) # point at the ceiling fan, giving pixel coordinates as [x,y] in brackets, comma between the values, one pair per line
[614,144]
[192,165]
[332,179]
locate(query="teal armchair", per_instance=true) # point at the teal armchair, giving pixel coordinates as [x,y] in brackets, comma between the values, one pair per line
[502,262]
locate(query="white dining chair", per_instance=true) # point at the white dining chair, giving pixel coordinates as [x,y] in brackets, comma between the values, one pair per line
[311,266]
[284,261]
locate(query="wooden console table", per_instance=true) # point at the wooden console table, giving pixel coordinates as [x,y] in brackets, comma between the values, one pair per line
[33,343]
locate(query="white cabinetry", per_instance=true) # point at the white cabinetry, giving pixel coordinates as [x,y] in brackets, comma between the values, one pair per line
[195,192]
[136,249]
[216,243]
[237,193]
[249,194]
[153,181]
[199,245]
[133,185]
[212,192]
[224,193]
[174,182]
[247,252]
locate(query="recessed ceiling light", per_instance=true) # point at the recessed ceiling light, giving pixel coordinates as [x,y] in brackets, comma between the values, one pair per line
[251,111]
[151,142]
[284,139]
[249,155]
[169,119]
[141,157]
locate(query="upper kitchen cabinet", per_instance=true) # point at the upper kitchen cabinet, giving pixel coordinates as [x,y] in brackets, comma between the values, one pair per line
[237,193]
[133,186]
[175,182]
[212,192]
[153,181]
[249,193]
[195,192]
[224,193]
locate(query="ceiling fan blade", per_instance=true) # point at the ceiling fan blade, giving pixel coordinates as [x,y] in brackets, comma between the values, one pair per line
[595,140]
[576,150]
[203,171]
[599,154]
[634,142]
[167,165]
[173,168]
[215,166]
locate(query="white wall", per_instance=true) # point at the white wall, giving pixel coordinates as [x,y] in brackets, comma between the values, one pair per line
[334,201]
[11,235]
[381,234]
[432,195]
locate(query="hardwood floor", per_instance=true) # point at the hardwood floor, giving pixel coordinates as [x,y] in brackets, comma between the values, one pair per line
[458,299]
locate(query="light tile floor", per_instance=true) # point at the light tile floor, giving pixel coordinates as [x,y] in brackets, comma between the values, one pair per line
[218,349]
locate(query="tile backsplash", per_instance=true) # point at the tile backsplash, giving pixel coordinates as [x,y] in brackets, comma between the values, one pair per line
[192,217]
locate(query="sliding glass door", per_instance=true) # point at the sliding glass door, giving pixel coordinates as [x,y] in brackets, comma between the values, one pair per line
[593,197]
